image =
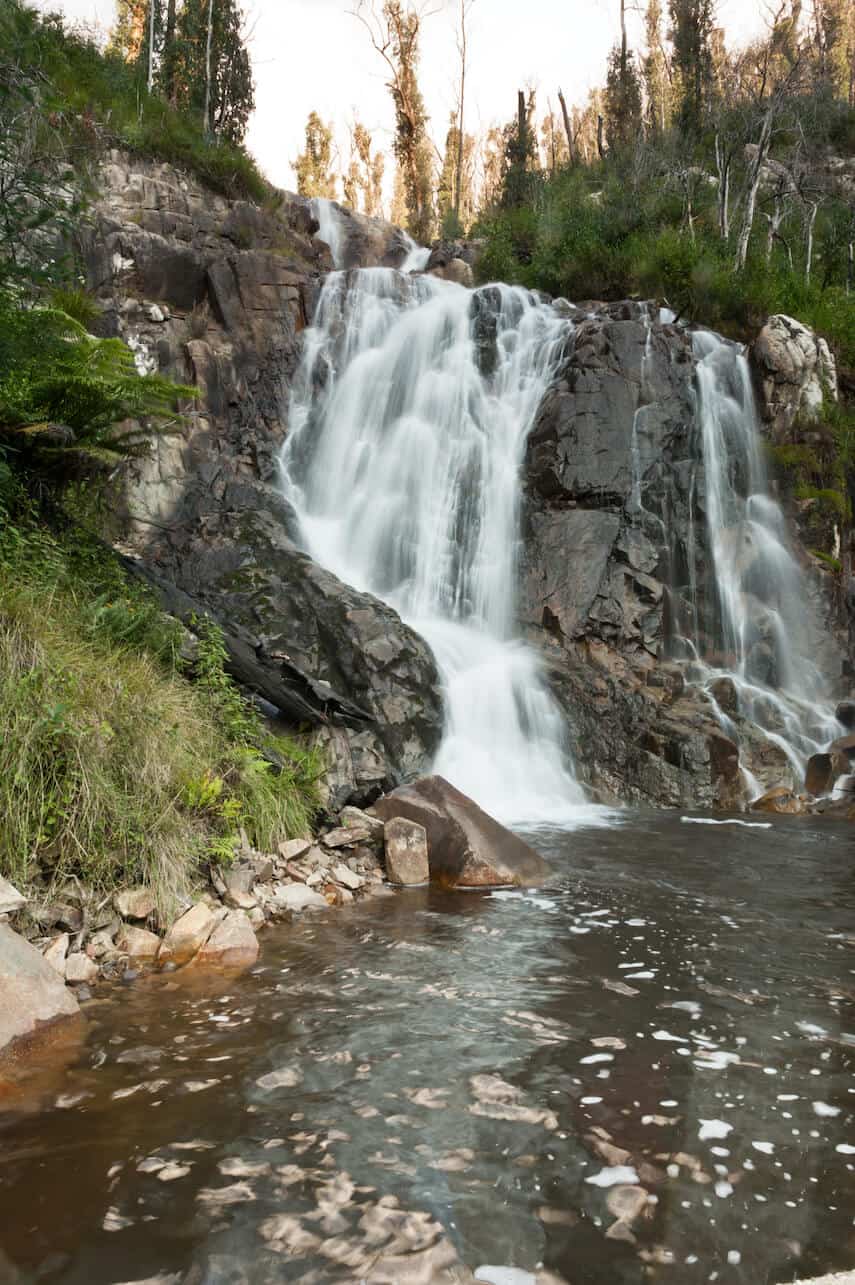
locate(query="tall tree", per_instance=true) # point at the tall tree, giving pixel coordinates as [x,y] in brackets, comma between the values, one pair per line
[364,180]
[394,32]
[462,48]
[314,165]
[129,32]
[521,159]
[834,38]
[213,74]
[623,91]
[692,24]
[656,70]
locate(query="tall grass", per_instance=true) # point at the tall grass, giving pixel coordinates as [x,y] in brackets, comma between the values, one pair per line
[114,767]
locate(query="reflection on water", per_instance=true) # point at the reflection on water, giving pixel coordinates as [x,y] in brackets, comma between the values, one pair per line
[642,1072]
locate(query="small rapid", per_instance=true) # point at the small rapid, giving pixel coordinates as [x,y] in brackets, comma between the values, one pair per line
[403,466]
[755,628]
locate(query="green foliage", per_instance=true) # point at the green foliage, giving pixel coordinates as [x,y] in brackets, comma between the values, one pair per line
[53,372]
[230,97]
[315,176]
[113,766]
[86,100]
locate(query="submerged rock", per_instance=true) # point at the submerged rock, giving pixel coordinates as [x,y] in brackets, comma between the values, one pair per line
[466,847]
[31,992]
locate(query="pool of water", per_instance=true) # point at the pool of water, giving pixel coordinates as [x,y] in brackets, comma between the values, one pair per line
[643,1071]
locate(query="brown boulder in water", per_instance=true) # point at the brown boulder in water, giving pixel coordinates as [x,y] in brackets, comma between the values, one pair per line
[781,799]
[466,847]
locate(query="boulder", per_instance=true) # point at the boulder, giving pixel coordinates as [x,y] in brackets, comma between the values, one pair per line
[356,819]
[31,992]
[819,774]
[232,944]
[781,799]
[345,837]
[10,899]
[794,372]
[845,747]
[135,903]
[137,943]
[297,896]
[188,934]
[406,851]
[347,878]
[80,969]
[466,847]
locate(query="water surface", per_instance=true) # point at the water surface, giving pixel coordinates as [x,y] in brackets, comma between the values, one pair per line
[433,1078]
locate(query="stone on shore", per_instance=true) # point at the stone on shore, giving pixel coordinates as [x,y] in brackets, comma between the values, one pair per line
[188,934]
[466,847]
[406,852]
[345,837]
[296,896]
[293,849]
[137,943]
[33,995]
[232,944]
[135,903]
[10,899]
[55,953]
[782,800]
[80,969]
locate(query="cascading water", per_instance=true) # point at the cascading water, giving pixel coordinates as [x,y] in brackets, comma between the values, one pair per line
[755,628]
[402,464]
[331,229]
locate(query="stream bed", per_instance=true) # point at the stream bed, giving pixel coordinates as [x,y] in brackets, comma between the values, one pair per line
[428,1082]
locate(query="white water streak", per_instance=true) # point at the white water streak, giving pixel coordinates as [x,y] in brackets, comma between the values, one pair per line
[403,465]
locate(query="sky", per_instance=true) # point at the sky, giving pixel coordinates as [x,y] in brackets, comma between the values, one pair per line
[313,55]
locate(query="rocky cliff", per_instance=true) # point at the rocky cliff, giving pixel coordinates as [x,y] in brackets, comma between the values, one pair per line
[218,292]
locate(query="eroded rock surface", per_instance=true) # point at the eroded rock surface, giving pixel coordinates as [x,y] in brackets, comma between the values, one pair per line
[32,994]
[795,372]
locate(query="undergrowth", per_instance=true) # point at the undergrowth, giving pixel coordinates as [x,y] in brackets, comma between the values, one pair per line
[116,766]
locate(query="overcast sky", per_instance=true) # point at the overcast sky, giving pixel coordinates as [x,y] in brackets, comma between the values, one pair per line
[311,54]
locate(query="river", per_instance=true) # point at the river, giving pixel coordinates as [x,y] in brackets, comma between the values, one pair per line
[428,1083]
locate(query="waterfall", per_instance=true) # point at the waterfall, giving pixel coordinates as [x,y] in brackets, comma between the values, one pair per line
[756,629]
[403,465]
[330,227]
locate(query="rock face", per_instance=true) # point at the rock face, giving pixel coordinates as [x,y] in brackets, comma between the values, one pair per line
[32,994]
[466,847]
[216,292]
[609,475]
[795,371]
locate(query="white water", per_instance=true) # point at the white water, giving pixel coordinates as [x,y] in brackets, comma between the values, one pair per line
[403,465]
[332,230]
[760,638]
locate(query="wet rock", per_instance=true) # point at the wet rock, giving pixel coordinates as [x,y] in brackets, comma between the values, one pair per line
[56,951]
[188,934]
[781,799]
[80,968]
[10,899]
[137,943]
[456,270]
[135,903]
[406,851]
[724,693]
[819,774]
[845,746]
[466,847]
[845,714]
[232,944]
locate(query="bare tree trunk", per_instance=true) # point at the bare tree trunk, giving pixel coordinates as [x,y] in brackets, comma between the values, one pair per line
[458,183]
[208,67]
[811,220]
[850,268]
[753,185]
[169,53]
[773,230]
[568,128]
[723,163]
[151,5]
[601,147]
